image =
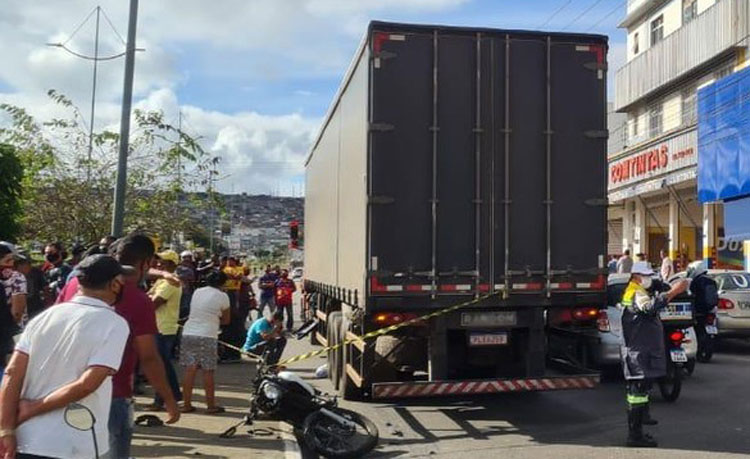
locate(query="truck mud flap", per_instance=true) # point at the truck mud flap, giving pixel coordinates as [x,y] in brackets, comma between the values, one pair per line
[389,390]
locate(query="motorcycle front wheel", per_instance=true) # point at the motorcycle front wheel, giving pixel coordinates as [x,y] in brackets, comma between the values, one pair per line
[332,440]
[671,384]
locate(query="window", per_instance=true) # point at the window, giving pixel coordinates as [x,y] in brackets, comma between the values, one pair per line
[689,107]
[636,43]
[634,127]
[724,71]
[654,120]
[657,30]
[689,10]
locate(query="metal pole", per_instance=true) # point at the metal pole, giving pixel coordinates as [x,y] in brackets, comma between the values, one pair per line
[506,196]
[93,96]
[127,99]
[478,165]
[548,137]
[434,128]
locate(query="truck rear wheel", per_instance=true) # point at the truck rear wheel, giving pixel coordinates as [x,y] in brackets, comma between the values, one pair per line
[333,334]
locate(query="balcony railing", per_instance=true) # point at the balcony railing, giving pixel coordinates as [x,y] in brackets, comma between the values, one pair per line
[713,33]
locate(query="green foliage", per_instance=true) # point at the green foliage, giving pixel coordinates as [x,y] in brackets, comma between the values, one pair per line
[10,192]
[68,196]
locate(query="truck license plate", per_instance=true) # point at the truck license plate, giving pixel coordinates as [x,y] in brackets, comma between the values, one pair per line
[487,339]
[488,319]
[678,356]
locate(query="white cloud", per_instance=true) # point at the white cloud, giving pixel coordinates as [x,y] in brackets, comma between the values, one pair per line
[260,40]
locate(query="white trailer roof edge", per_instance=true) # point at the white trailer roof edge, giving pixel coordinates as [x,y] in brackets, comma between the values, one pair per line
[337,98]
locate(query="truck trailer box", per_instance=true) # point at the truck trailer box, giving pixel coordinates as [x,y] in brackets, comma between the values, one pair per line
[461,163]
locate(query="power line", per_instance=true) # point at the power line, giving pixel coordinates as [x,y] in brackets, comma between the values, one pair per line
[606,16]
[583,13]
[555,13]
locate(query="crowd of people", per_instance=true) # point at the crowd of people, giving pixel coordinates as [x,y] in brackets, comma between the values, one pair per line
[623,264]
[88,327]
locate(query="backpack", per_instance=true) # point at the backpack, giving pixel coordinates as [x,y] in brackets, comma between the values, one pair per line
[706,293]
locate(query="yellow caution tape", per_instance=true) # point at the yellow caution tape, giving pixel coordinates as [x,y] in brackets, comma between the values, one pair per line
[384,330]
[372,334]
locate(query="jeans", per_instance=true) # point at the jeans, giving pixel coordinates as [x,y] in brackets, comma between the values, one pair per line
[287,309]
[120,428]
[166,344]
[274,350]
[269,301]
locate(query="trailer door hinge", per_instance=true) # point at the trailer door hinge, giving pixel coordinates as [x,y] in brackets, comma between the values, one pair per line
[597,202]
[597,134]
[381,127]
[381,200]
[595,66]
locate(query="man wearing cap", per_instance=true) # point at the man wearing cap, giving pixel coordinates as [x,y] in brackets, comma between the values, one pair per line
[643,354]
[66,354]
[166,298]
[188,276]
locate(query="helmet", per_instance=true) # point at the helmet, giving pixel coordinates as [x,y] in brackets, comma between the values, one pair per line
[642,268]
[186,253]
[697,268]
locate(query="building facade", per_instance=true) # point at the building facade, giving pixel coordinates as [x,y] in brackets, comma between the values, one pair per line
[674,48]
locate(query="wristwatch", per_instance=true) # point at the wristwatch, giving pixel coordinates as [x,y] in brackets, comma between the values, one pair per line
[7,433]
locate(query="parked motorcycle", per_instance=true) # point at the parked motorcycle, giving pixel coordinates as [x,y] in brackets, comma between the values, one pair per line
[676,319]
[706,329]
[318,421]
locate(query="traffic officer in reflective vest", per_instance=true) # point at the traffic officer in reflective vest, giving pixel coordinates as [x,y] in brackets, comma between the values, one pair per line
[643,354]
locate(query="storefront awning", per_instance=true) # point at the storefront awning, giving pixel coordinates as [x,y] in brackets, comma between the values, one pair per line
[724,138]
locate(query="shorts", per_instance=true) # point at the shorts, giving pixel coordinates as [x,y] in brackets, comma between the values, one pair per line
[198,350]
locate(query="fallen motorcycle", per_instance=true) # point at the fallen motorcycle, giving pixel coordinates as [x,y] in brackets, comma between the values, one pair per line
[318,421]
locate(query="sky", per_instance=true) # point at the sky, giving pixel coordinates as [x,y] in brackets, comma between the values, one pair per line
[252,78]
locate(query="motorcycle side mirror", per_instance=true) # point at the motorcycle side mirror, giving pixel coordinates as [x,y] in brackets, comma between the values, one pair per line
[79,417]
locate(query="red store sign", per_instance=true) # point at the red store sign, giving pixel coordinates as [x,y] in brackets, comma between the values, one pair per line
[648,163]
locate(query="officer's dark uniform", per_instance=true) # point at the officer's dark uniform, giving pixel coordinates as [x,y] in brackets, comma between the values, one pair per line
[643,355]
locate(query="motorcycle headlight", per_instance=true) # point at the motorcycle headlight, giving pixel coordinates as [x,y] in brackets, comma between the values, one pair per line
[271,391]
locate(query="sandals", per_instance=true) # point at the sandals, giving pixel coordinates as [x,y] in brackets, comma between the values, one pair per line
[215,410]
[187,409]
[149,420]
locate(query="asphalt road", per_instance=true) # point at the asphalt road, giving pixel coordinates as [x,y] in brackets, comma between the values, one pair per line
[710,419]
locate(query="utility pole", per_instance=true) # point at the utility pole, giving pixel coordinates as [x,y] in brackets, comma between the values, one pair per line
[93,95]
[127,99]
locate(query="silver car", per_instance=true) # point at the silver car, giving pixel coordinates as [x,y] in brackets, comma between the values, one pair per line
[607,352]
[734,302]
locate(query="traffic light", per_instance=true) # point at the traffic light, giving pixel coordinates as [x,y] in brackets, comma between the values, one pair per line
[294,230]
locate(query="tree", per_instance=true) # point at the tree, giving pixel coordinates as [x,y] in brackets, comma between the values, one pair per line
[66,196]
[10,192]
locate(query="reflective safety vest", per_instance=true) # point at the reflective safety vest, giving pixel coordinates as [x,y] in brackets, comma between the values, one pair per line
[643,353]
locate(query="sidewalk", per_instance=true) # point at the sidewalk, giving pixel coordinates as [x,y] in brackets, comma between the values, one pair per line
[197,434]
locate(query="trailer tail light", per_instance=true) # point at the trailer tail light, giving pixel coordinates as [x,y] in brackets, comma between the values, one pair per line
[725,304]
[677,337]
[585,314]
[385,319]
[602,321]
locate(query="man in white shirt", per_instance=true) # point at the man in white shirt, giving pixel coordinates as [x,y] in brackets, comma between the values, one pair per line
[667,268]
[66,354]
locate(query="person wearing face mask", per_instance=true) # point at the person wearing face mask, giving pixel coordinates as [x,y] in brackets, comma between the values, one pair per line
[55,269]
[135,250]
[12,281]
[643,354]
[66,354]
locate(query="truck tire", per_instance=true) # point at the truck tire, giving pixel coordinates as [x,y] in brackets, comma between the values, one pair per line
[313,305]
[333,334]
[347,389]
